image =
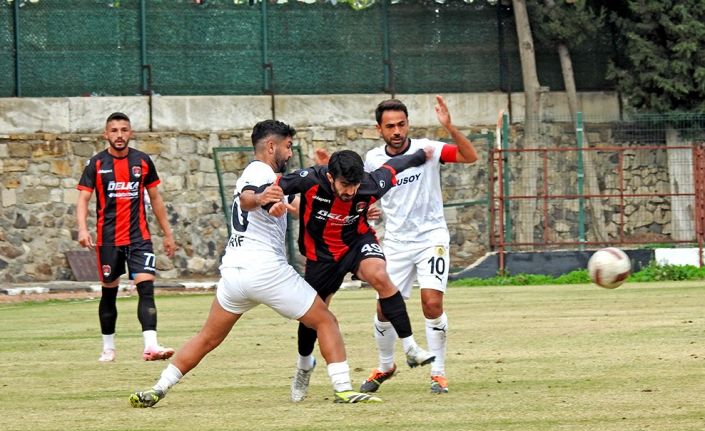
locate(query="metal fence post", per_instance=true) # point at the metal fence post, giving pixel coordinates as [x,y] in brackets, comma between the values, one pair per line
[581,179]
[505,176]
[16,17]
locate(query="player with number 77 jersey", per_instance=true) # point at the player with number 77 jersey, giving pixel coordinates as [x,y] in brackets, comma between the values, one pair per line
[336,239]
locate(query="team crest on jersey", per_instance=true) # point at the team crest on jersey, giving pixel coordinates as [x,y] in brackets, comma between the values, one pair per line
[360,207]
[303,174]
[106,270]
[137,171]
[440,250]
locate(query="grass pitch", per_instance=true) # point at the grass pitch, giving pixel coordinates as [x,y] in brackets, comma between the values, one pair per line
[571,357]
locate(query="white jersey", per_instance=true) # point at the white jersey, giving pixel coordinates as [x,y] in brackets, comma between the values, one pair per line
[413,208]
[254,232]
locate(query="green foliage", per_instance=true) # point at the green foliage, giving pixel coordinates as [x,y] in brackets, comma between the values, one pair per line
[663,68]
[574,277]
[566,22]
[656,272]
[651,272]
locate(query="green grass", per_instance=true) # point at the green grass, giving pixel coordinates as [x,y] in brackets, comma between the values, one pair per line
[559,357]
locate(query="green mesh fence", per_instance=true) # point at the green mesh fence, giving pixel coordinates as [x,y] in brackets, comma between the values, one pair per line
[106,47]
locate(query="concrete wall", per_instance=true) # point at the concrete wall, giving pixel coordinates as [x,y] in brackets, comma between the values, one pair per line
[222,113]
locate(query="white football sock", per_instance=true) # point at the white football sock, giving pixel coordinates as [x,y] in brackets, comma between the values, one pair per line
[305,362]
[108,342]
[170,376]
[150,339]
[436,335]
[339,373]
[408,343]
[386,338]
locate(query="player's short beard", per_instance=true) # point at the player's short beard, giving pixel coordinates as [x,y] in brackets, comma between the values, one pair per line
[115,147]
[395,145]
[281,165]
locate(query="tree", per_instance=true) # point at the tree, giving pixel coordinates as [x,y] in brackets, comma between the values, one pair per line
[663,71]
[532,95]
[565,25]
[664,66]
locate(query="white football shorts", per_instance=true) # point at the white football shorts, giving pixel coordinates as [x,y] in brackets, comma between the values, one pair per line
[428,264]
[277,285]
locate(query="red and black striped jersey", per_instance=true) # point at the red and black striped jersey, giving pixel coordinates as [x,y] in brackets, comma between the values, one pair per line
[329,225]
[120,183]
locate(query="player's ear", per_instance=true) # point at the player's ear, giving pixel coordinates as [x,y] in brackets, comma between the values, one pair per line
[330,177]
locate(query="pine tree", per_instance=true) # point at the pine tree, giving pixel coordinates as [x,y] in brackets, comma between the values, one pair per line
[663,68]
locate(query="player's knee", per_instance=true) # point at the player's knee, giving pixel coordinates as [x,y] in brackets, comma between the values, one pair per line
[432,309]
[145,289]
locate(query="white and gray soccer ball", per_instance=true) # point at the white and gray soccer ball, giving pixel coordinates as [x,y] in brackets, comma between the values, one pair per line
[609,267]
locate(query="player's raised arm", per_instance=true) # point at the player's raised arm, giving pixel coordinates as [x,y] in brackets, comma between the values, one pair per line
[465,150]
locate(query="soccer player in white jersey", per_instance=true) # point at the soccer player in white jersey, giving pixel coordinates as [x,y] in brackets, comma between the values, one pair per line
[255,271]
[416,238]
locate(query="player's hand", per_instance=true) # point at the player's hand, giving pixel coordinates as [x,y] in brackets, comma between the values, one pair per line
[374,213]
[170,246]
[280,208]
[85,239]
[442,112]
[321,156]
[272,193]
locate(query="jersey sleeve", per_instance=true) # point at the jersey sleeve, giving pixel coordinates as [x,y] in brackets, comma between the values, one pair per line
[369,164]
[398,164]
[449,153]
[298,181]
[87,181]
[151,179]
[255,177]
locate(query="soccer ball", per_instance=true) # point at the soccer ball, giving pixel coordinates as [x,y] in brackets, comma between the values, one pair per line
[609,267]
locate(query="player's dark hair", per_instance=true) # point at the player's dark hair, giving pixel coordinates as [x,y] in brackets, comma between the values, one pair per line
[266,128]
[117,116]
[348,165]
[389,105]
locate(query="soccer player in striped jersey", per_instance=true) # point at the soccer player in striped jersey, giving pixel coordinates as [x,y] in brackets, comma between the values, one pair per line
[120,175]
[255,271]
[336,239]
[416,238]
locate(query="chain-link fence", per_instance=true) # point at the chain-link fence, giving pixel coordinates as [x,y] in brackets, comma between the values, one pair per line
[638,181]
[219,47]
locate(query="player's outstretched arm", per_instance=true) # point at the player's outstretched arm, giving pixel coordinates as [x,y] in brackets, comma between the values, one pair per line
[466,151]
[398,164]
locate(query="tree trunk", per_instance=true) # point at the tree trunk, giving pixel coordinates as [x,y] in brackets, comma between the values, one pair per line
[680,176]
[527,217]
[595,209]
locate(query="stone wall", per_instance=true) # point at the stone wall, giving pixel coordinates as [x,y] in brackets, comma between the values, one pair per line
[44,144]
[40,173]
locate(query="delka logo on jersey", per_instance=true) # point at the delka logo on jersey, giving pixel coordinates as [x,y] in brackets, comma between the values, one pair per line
[137,171]
[360,207]
[106,270]
[122,185]
[342,219]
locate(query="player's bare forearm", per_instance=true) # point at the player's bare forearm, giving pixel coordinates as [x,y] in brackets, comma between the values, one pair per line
[159,210]
[466,150]
[84,237]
